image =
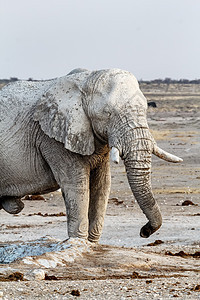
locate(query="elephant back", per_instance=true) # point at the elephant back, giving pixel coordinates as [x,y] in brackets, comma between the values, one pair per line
[18,98]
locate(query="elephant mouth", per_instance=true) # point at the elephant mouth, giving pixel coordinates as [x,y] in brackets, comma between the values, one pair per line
[100,137]
[157,151]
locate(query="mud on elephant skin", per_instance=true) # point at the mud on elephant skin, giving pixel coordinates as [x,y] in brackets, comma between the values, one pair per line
[59,133]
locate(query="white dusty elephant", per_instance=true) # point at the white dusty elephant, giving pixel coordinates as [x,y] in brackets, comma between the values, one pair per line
[58,134]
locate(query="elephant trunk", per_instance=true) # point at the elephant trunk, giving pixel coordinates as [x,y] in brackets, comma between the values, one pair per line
[138,167]
[136,148]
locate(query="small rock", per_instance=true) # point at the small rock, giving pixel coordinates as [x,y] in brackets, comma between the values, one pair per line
[184,254]
[50,277]
[75,293]
[116,201]
[197,288]
[187,203]
[148,281]
[157,242]
[36,274]
[10,275]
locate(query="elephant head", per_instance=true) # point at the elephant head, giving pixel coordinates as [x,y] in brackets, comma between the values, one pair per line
[106,105]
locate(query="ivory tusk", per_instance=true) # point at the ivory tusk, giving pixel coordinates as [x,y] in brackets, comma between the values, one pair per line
[165,155]
[114,155]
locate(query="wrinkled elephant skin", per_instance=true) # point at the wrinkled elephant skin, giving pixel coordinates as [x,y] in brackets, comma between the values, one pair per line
[59,133]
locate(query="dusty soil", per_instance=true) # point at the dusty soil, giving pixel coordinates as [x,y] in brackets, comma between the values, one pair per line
[124,265]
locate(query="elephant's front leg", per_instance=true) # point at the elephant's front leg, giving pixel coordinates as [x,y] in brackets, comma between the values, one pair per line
[72,175]
[100,182]
[76,196]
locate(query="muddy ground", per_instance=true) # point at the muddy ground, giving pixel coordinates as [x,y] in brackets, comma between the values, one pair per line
[124,265]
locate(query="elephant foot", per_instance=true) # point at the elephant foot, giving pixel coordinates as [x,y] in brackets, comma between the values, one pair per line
[93,238]
[11,205]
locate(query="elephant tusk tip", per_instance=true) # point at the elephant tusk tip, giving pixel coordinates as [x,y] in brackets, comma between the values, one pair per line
[166,156]
[115,155]
[175,159]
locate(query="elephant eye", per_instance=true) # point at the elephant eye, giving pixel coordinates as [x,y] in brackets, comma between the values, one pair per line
[107,112]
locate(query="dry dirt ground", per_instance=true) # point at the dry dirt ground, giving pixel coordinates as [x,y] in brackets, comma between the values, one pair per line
[123,265]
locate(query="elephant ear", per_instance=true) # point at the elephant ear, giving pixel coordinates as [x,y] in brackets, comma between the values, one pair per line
[61,116]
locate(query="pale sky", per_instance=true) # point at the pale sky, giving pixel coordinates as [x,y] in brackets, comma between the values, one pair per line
[44,39]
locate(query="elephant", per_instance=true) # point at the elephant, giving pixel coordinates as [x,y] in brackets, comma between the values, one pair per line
[61,133]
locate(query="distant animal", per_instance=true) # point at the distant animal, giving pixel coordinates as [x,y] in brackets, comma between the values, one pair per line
[152,104]
[59,133]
